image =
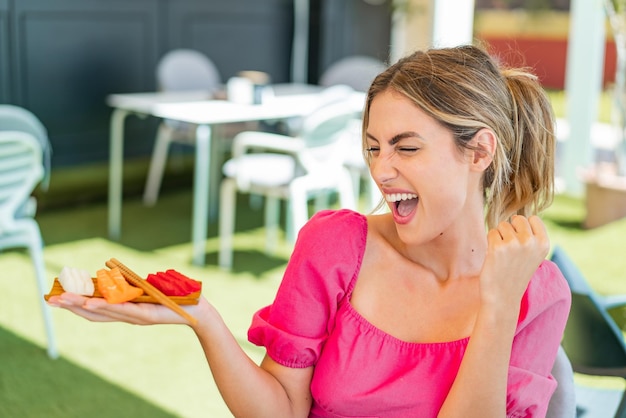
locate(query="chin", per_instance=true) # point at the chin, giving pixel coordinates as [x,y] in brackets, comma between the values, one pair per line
[415,234]
[409,234]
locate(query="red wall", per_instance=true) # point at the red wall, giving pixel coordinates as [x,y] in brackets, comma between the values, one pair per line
[546,56]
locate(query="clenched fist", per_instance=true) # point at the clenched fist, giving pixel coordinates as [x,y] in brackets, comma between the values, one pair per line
[514,251]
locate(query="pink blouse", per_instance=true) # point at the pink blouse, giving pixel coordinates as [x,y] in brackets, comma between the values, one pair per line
[360,371]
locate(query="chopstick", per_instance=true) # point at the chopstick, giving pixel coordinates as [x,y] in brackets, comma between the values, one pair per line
[136,280]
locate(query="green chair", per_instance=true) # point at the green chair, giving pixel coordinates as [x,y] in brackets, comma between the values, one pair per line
[592,340]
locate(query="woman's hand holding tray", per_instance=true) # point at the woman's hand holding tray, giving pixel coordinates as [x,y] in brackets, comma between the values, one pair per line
[151,293]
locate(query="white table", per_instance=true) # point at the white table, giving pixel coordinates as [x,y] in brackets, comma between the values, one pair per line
[193,107]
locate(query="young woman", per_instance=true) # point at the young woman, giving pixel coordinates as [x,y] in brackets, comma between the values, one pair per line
[443,306]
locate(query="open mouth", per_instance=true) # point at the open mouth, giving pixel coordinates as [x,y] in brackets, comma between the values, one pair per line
[405,203]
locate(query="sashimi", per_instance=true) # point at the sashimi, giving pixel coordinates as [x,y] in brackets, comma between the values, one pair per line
[114,288]
[76,281]
[173,283]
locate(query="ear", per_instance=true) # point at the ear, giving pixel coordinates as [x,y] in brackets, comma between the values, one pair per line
[485,143]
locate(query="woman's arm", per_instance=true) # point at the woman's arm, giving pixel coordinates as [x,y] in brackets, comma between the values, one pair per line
[271,390]
[249,390]
[515,251]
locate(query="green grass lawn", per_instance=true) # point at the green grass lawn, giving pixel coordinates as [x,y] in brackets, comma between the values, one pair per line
[113,370]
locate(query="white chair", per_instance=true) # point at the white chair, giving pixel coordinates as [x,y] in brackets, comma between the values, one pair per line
[358,72]
[21,170]
[291,168]
[15,118]
[178,70]
[358,168]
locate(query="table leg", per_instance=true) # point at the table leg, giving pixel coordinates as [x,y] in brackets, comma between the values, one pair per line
[116,160]
[201,193]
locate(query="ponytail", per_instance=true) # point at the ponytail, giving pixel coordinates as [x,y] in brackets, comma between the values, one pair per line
[528,187]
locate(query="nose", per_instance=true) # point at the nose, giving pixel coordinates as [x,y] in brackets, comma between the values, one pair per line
[383,169]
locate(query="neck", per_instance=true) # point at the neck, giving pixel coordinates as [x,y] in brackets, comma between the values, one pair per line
[459,251]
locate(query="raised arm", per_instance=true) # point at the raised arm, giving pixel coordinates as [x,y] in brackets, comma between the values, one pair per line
[515,250]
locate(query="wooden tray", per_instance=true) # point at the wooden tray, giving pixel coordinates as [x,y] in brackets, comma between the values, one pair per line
[191,299]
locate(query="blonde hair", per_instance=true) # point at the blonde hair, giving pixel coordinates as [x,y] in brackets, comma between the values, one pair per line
[465,90]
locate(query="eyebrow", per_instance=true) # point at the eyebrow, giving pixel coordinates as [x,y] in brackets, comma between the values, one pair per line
[396,138]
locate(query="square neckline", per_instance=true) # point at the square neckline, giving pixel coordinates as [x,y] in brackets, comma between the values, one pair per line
[380,333]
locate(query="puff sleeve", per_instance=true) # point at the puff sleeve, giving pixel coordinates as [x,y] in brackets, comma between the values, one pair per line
[321,271]
[543,314]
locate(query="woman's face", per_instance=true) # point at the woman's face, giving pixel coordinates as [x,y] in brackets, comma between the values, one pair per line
[427,182]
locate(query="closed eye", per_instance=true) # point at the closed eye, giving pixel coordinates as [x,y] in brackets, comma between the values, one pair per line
[407,149]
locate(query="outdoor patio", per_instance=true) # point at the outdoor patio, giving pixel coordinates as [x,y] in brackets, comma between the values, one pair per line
[118,370]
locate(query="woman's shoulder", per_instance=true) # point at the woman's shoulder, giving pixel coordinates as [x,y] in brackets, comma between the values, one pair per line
[337,218]
[328,254]
[548,280]
[336,225]
[547,290]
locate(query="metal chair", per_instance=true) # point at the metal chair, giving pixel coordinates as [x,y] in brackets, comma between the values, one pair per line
[15,118]
[178,70]
[592,340]
[291,168]
[21,170]
[354,161]
[357,72]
